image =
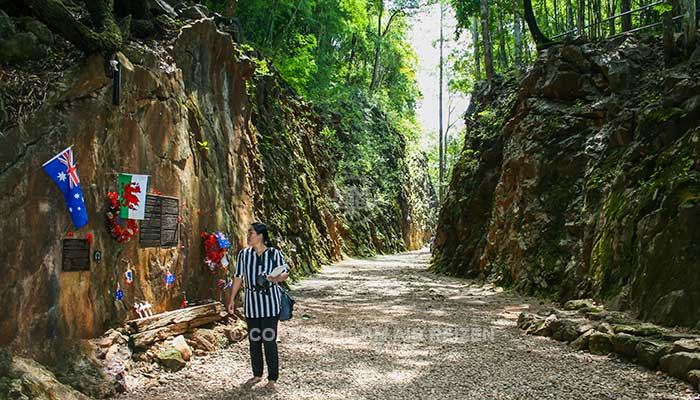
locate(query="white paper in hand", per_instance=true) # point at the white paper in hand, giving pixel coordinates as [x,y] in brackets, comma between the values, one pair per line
[277,271]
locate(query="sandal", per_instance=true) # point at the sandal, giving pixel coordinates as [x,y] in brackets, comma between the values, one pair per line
[252,381]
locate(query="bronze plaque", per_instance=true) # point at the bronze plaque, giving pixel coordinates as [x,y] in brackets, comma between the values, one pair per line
[76,255]
[159,228]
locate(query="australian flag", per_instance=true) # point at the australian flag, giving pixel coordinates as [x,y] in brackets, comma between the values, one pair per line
[63,171]
[222,240]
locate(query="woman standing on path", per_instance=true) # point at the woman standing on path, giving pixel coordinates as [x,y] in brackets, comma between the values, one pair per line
[261,304]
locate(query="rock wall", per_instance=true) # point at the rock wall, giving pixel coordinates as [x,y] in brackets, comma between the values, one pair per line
[583,180]
[265,159]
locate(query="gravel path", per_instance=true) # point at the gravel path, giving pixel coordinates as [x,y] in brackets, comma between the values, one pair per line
[386,328]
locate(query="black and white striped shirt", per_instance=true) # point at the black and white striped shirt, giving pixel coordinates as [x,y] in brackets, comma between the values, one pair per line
[248,264]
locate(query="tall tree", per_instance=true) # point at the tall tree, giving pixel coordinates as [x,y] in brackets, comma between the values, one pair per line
[486,39]
[627,17]
[611,20]
[569,16]
[580,18]
[539,38]
[516,36]
[502,57]
[475,40]
[399,8]
[441,152]
[667,18]
[691,24]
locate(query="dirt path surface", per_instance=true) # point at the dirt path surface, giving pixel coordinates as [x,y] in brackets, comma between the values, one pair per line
[387,328]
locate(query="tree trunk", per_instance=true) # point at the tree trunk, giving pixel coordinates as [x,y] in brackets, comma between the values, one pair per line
[146,331]
[105,38]
[569,16]
[502,56]
[668,35]
[352,57]
[486,39]
[477,58]
[581,18]
[516,34]
[528,58]
[537,35]
[691,25]
[271,29]
[627,18]
[599,17]
[611,22]
[375,66]
[441,155]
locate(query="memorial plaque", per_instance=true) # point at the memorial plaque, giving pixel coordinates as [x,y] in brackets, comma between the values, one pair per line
[76,255]
[159,228]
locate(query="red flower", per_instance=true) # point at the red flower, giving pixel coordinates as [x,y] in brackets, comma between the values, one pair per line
[120,234]
[89,237]
[212,252]
[69,234]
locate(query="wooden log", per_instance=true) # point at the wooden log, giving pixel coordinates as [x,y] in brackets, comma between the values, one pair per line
[145,331]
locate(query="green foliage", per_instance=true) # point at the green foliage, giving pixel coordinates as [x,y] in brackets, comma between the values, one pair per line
[663,8]
[325,49]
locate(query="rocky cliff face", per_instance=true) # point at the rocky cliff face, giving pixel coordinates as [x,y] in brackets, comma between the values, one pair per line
[265,159]
[583,179]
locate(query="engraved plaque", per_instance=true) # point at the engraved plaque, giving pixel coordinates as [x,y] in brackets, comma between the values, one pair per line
[159,228]
[76,255]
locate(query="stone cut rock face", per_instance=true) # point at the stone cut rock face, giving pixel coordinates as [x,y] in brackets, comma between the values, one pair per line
[197,91]
[582,181]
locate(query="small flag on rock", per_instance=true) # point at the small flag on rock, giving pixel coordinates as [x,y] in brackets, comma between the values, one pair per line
[222,240]
[63,171]
[132,195]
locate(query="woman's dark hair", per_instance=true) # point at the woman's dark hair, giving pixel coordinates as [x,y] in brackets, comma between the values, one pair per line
[261,229]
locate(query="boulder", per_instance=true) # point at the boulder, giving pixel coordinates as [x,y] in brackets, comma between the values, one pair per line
[619,74]
[525,319]
[650,351]
[604,327]
[171,359]
[100,379]
[36,382]
[235,334]
[563,85]
[566,329]
[542,327]
[204,339]
[694,378]
[686,345]
[625,344]
[574,55]
[578,304]
[679,364]
[599,343]
[582,342]
[644,330]
[194,12]
[180,345]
